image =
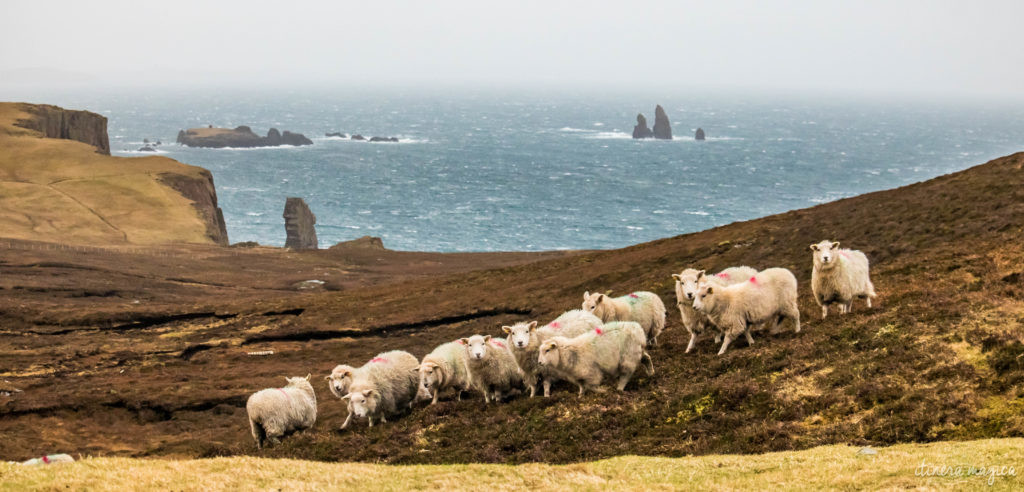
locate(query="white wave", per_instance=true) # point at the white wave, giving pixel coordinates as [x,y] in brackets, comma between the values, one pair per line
[274,147]
[141,152]
[610,135]
[254,214]
[697,212]
[569,129]
[598,124]
[401,140]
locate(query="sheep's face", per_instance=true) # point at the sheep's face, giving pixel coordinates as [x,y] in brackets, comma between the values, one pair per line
[429,378]
[519,334]
[593,303]
[687,284]
[705,299]
[825,253]
[339,380]
[476,346]
[363,403]
[549,354]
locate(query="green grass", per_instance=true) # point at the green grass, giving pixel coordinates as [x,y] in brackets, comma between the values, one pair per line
[827,467]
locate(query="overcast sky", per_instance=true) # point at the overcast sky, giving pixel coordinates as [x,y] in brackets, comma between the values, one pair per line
[933,47]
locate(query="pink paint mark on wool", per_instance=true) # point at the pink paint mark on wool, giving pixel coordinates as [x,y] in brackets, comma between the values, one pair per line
[844,254]
[497,343]
[634,296]
[722,275]
[46,459]
[753,280]
[460,342]
[598,330]
[285,393]
[554,324]
[378,359]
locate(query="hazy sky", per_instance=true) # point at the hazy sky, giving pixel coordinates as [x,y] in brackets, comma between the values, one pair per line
[932,47]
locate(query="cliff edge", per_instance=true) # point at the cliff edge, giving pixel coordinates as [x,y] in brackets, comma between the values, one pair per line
[58,183]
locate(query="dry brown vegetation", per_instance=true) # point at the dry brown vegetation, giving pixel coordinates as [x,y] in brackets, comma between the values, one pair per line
[940,357]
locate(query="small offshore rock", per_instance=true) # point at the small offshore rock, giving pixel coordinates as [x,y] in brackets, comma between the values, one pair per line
[699,135]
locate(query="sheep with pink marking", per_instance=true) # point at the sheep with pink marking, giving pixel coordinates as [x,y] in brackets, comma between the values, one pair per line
[688,283]
[276,412]
[767,298]
[839,277]
[383,387]
[645,308]
[492,368]
[525,338]
[612,351]
[445,367]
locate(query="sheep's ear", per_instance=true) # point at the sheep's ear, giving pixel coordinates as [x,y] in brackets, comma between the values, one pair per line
[347,397]
[586,295]
[487,338]
[814,247]
[415,370]
[700,274]
[506,329]
[327,378]
[464,341]
[677,276]
[308,375]
[835,245]
[369,392]
[710,290]
[600,297]
[533,325]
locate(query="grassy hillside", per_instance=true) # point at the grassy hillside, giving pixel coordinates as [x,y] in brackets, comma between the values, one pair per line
[60,190]
[940,357]
[821,468]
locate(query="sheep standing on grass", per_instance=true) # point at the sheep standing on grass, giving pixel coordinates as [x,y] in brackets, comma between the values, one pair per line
[768,297]
[445,367]
[382,387]
[525,338]
[492,368]
[614,350]
[839,276]
[688,282]
[275,412]
[645,308]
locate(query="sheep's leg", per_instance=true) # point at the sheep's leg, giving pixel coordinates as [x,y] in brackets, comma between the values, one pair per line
[750,339]
[547,388]
[497,396]
[824,311]
[383,419]
[624,379]
[274,440]
[868,299]
[532,383]
[849,306]
[347,420]
[580,384]
[725,343]
[487,395]
[433,401]
[370,419]
[693,341]
[650,363]
[718,338]
[458,395]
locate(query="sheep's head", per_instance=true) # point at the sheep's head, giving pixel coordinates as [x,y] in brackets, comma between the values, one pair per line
[476,346]
[595,303]
[704,301]
[299,382]
[825,253]
[363,403]
[430,377]
[687,283]
[549,353]
[340,379]
[519,334]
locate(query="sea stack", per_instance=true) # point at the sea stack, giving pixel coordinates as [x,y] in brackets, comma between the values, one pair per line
[641,130]
[299,224]
[700,134]
[662,128]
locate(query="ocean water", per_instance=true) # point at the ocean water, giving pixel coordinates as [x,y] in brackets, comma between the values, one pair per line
[478,171]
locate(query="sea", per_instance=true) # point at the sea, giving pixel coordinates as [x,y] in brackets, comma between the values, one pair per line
[507,170]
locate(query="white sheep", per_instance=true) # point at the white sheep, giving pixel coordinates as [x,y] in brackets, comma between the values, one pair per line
[644,308]
[382,387]
[767,297]
[340,379]
[492,368]
[839,276]
[613,350]
[445,367]
[688,282]
[525,338]
[275,412]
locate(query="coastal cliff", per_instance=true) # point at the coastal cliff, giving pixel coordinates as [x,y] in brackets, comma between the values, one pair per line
[241,136]
[58,183]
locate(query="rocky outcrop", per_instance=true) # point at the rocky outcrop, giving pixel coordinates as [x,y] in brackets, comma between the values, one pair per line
[662,128]
[641,130]
[204,198]
[699,135]
[335,134]
[358,137]
[383,139]
[56,122]
[241,136]
[299,224]
[365,242]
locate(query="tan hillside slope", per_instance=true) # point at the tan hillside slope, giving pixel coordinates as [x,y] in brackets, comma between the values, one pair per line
[57,184]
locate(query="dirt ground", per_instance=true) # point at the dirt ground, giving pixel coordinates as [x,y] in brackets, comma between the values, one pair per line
[145,352]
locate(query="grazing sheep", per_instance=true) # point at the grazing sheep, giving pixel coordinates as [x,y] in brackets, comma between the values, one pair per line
[492,368]
[340,379]
[645,308]
[382,387]
[275,412]
[613,350]
[767,297]
[445,367]
[525,338]
[839,276]
[688,282]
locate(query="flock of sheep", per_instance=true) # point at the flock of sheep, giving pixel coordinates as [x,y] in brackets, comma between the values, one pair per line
[605,340]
